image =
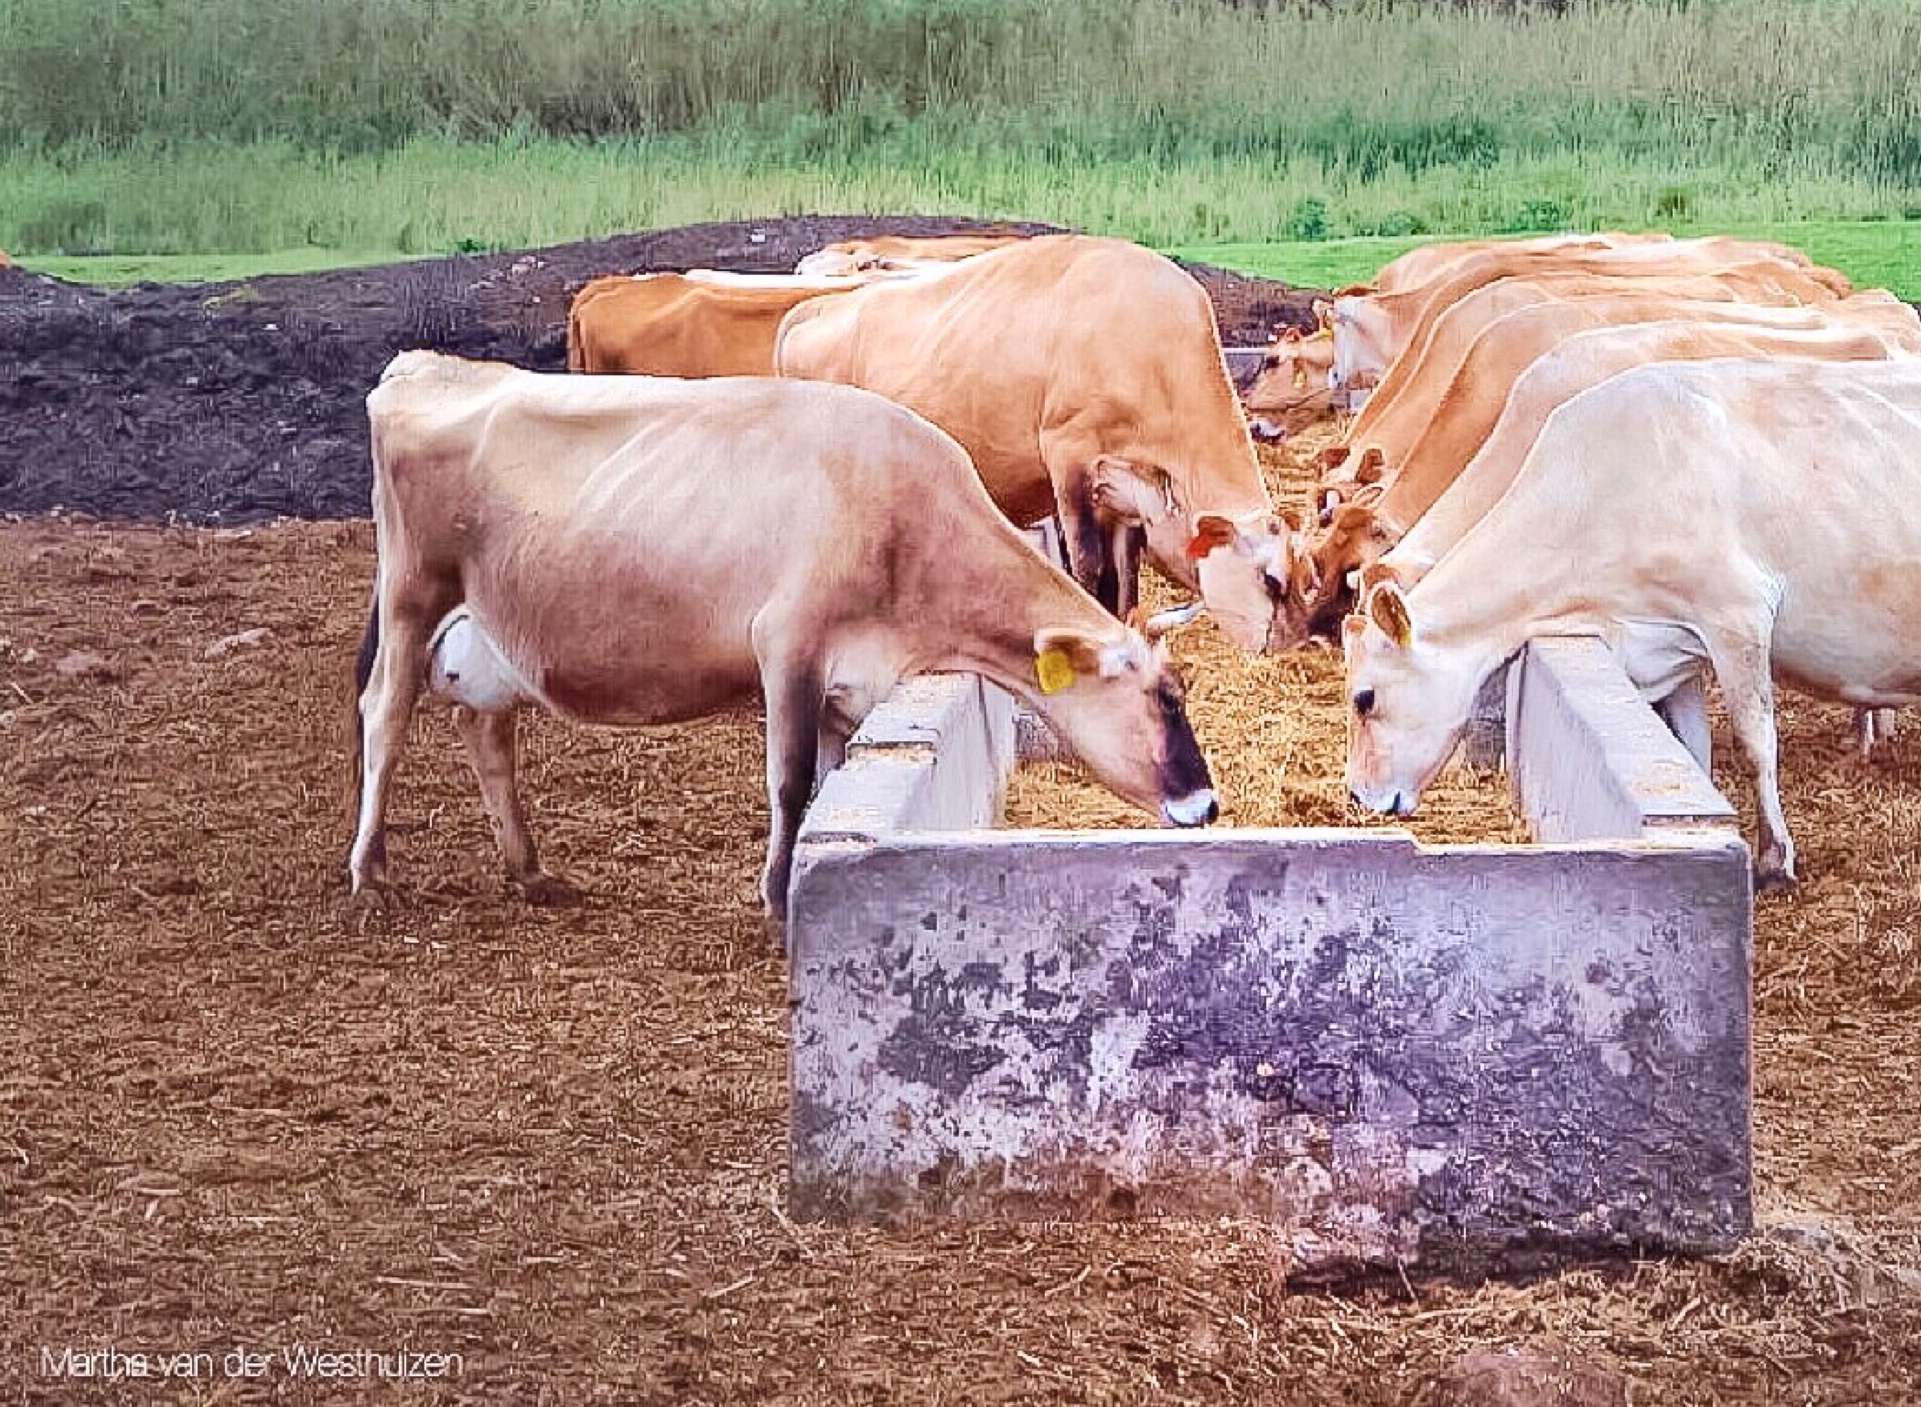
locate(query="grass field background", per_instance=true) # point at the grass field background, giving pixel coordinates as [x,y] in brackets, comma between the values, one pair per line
[1312,141]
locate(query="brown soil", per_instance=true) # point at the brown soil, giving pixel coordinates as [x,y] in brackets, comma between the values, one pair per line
[235,1110]
[241,401]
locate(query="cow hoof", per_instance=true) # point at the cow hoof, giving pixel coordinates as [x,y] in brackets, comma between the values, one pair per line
[546,891]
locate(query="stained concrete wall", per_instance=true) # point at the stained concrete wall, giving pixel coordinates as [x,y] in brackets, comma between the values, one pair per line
[1589,760]
[1452,1059]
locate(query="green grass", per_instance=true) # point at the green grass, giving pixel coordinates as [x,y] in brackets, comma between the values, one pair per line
[211,126]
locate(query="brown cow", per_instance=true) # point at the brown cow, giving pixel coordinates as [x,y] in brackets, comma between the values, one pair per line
[1431,261]
[1370,331]
[695,324]
[1488,422]
[1400,408]
[641,550]
[1085,377]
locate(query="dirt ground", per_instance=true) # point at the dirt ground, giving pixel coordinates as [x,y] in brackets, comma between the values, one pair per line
[236,402]
[235,1110]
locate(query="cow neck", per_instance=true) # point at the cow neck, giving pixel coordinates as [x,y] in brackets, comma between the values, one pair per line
[998,602]
[1499,587]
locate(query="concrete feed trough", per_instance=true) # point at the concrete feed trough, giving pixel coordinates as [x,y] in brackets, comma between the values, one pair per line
[1450,1058]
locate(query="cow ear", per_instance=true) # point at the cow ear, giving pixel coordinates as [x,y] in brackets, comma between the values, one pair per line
[1132,494]
[1356,290]
[1378,573]
[1333,457]
[1369,495]
[1211,530]
[1387,608]
[1063,654]
[1352,516]
[1372,467]
[1286,518]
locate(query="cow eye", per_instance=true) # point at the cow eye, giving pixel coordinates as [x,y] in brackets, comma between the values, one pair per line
[1276,588]
[1364,702]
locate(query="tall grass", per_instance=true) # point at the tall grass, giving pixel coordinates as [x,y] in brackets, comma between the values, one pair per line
[1176,120]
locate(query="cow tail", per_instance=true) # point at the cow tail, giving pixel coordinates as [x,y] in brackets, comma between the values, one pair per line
[576,351]
[363,671]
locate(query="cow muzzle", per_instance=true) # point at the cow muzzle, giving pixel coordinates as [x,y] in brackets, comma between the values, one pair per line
[1198,808]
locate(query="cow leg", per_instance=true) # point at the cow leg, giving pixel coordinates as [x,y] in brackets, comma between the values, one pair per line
[795,709]
[1685,711]
[1748,688]
[1126,545]
[386,707]
[489,739]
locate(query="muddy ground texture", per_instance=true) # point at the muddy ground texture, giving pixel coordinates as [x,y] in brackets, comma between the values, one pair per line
[235,1109]
[236,402]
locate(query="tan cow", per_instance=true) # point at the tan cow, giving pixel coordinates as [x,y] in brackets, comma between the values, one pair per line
[1408,397]
[1085,377]
[1434,427]
[1477,445]
[1296,387]
[851,256]
[1290,391]
[1760,519]
[638,550]
[1370,331]
[694,324]
[1430,261]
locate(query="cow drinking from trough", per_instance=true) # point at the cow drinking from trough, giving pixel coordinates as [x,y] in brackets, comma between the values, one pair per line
[640,550]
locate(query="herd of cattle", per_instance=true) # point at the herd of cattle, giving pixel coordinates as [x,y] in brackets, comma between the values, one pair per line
[805,488]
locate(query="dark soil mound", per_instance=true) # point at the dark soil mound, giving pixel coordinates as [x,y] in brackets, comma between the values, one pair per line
[243,401]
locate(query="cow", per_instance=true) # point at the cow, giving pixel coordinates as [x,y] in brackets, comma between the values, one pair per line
[1290,391]
[1085,377]
[700,323]
[1468,404]
[1371,330]
[641,550]
[1758,518]
[1296,385]
[1410,394]
[898,251]
[1429,261]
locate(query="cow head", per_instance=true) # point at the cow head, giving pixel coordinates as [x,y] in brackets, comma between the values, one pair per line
[1357,331]
[1353,536]
[1408,701]
[1291,391]
[1117,701]
[1254,575]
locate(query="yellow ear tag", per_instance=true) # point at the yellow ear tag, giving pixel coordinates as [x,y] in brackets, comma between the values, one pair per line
[1300,378]
[1054,670]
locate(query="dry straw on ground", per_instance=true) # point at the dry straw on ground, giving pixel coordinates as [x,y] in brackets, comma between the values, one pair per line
[235,1109]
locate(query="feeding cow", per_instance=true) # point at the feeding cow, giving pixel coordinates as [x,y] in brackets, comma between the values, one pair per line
[1085,377]
[1371,330]
[1761,518]
[638,550]
[1518,372]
